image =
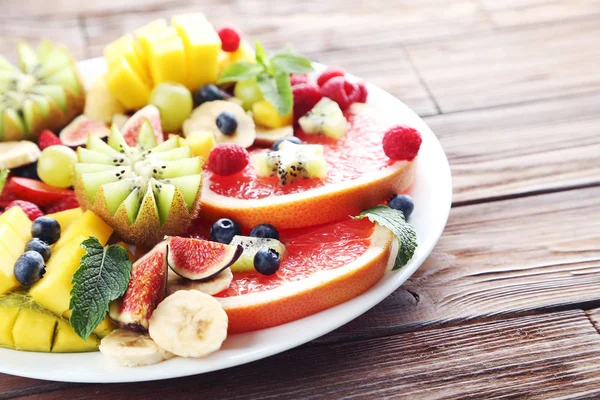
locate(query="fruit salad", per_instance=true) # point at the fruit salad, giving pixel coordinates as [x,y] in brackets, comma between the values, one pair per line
[200,187]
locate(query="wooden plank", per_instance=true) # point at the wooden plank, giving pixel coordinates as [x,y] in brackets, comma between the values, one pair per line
[512,256]
[519,12]
[14,386]
[521,149]
[64,30]
[529,357]
[36,8]
[511,66]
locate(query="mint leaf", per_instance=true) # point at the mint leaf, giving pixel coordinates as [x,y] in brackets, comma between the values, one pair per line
[261,55]
[240,71]
[291,63]
[3,176]
[277,91]
[395,222]
[103,276]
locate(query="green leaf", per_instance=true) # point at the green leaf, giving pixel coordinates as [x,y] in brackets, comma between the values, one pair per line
[102,277]
[261,55]
[291,63]
[3,176]
[241,71]
[395,222]
[277,91]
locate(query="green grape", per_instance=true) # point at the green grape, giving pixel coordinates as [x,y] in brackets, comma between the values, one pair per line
[248,92]
[55,166]
[175,104]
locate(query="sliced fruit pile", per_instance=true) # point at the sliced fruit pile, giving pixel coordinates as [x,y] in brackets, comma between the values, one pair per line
[44,93]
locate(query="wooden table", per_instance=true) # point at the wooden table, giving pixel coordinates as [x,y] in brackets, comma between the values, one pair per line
[506,304]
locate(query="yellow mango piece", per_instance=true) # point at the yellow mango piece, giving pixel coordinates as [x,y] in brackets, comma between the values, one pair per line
[126,85]
[146,38]
[53,291]
[67,341]
[266,115]
[167,61]
[124,47]
[102,330]
[19,221]
[66,218]
[202,47]
[8,316]
[33,330]
[145,30]
[7,276]
[13,242]
[89,224]
[201,143]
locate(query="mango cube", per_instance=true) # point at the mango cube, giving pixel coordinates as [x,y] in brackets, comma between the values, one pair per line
[16,218]
[167,61]
[67,341]
[66,218]
[8,281]
[154,26]
[126,85]
[8,316]
[33,330]
[202,47]
[89,224]
[124,47]
[266,115]
[201,143]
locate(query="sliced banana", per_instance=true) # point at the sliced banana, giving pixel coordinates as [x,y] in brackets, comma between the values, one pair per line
[17,154]
[267,137]
[204,118]
[132,349]
[189,323]
[211,286]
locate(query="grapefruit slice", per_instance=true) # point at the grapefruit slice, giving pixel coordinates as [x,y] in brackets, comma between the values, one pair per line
[325,266]
[360,175]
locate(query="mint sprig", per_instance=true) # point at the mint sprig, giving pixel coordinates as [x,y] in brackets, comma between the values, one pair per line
[103,276]
[272,75]
[394,221]
[3,177]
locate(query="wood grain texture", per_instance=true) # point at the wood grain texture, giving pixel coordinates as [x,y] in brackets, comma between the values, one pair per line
[532,357]
[513,256]
[518,12]
[511,66]
[14,386]
[521,149]
[51,8]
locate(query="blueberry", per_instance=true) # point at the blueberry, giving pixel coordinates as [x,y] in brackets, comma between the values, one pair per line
[227,123]
[402,202]
[265,231]
[266,261]
[39,246]
[29,268]
[224,230]
[27,171]
[46,229]
[207,93]
[292,139]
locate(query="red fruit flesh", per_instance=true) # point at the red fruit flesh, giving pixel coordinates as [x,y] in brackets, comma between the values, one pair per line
[330,72]
[131,129]
[147,288]
[306,96]
[77,132]
[48,138]
[197,259]
[341,91]
[363,92]
[67,203]
[228,159]
[230,38]
[32,211]
[37,192]
[297,79]
[402,143]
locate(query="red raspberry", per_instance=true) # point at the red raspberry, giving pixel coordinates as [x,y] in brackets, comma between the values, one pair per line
[67,203]
[402,143]
[330,72]
[296,79]
[341,91]
[228,159]
[47,139]
[364,93]
[30,209]
[306,95]
[230,38]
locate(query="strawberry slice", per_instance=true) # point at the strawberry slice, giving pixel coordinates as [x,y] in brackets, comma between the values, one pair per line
[37,192]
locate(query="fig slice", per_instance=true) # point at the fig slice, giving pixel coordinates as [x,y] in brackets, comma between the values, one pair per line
[147,288]
[198,259]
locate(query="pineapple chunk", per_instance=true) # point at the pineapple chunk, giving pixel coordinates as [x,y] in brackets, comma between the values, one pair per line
[66,218]
[266,115]
[33,330]
[8,316]
[89,224]
[126,85]
[145,30]
[8,281]
[67,341]
[18,220]
[201,143]
[124,47]
[202,47]
[167,61]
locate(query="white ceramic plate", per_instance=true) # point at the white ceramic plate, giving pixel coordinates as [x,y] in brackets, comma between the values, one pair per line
[432,194]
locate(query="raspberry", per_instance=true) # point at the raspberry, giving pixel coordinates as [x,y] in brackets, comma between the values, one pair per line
[230,38]
[228,159]
[61,205]
[402,143]
[30,209]
[47,139]
[296,79]
[341,91]
[306,95]
[330,72]
[364,93]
